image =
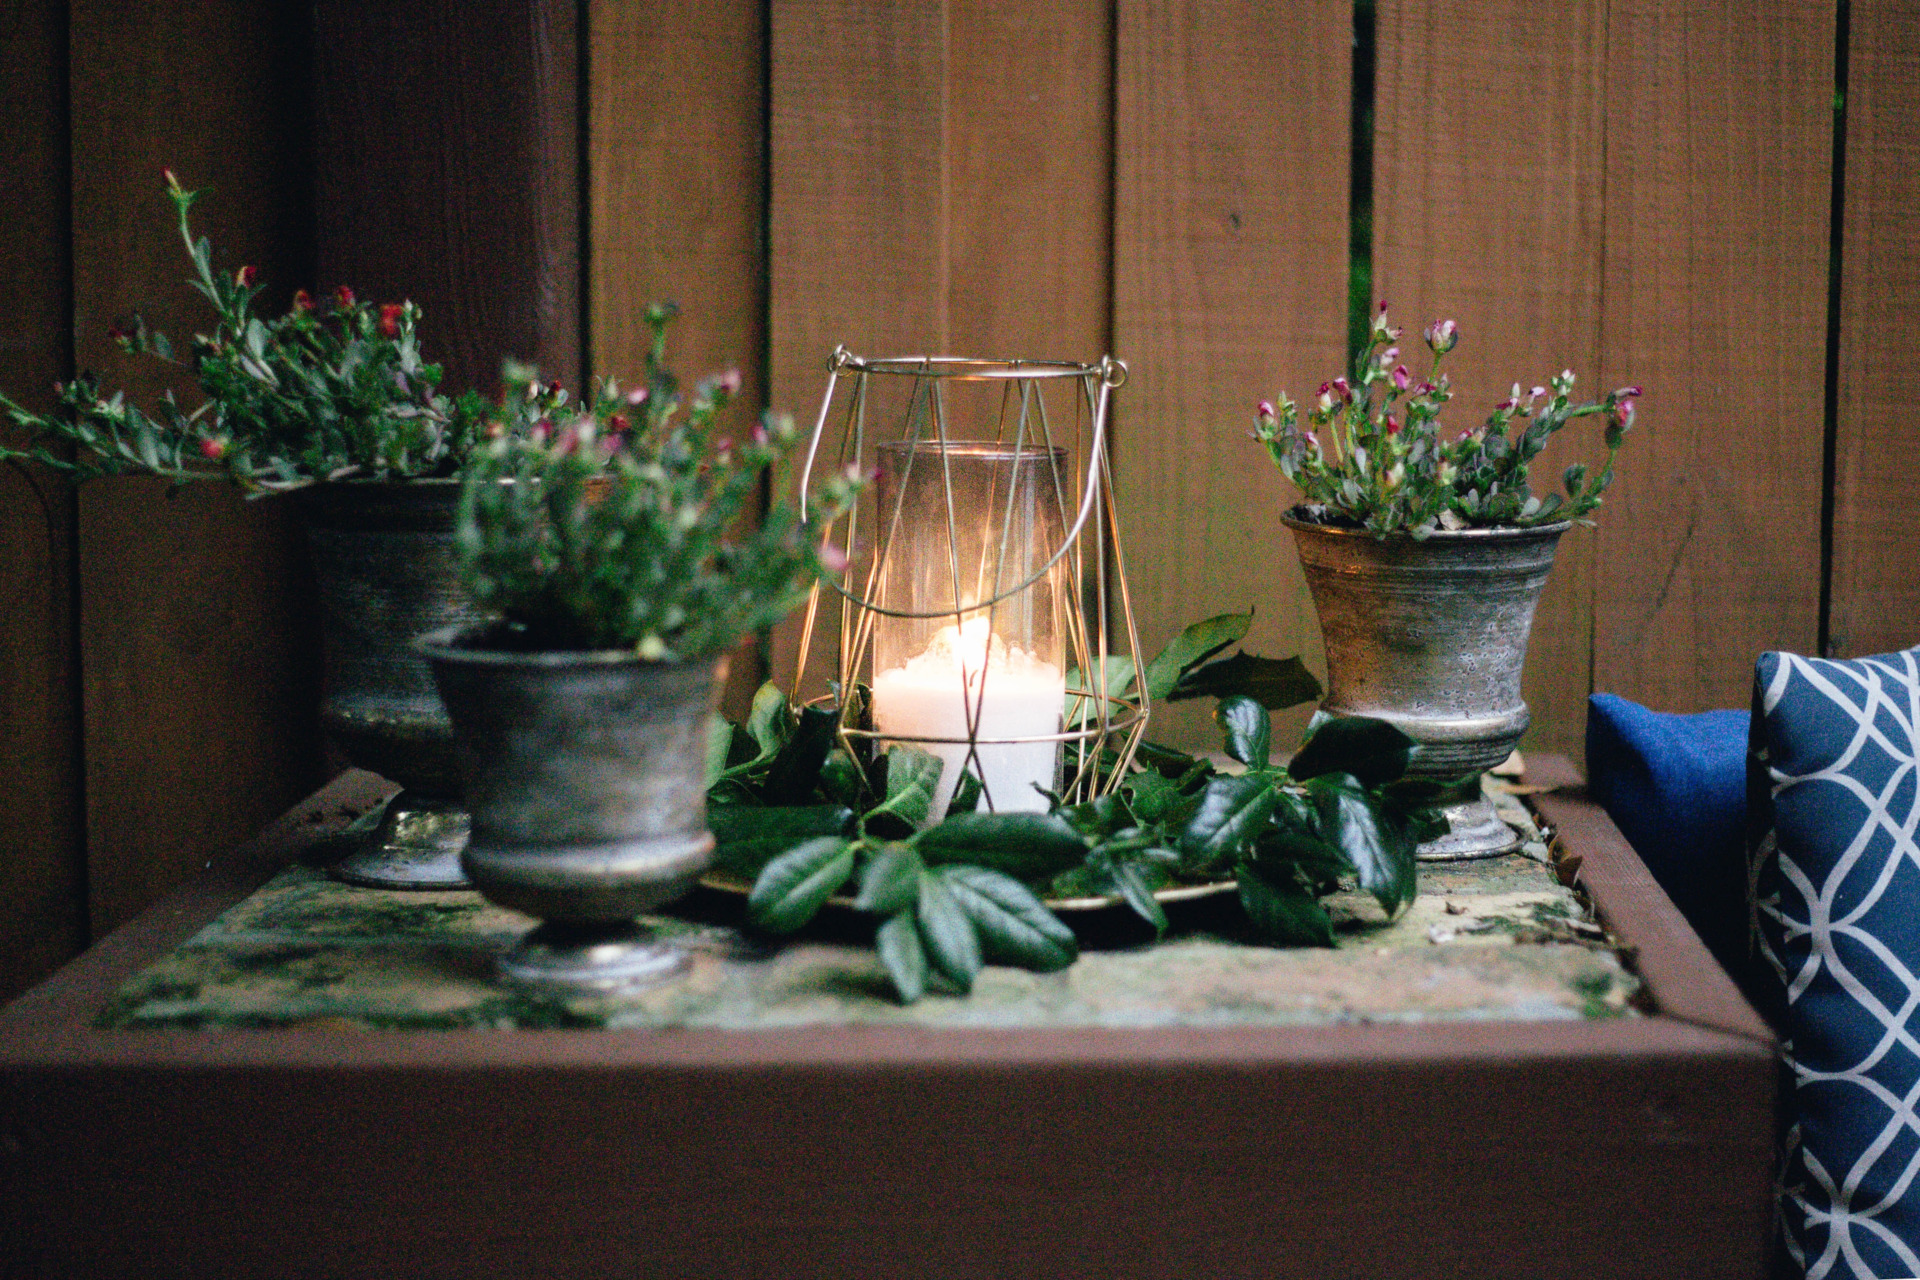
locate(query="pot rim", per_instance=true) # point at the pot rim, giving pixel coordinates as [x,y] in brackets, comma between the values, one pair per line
[1480,533]
[444,644]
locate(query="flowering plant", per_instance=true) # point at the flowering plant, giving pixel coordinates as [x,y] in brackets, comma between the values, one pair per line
[609,523]
[325,392]
[1386,464]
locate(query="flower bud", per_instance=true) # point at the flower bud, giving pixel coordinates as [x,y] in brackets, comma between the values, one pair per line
[1401,378]
[1623,414]
[1344,390]
[214,448]
[245,276]
[343,296]
[302,300]
[1264,409]
[1388,356]
[730,383]
[618,423]
[390,313]
[637,397]
[1325,404]
[1442,335]
[1628,393]
[833,558]
[1393,425]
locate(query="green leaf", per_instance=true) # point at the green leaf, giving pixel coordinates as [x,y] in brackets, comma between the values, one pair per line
[1232,812]
[1191,647]
[1119,671]
[795,772]
[1380,848]
[719,742]
[1283,916]
[767,720]
[1371,750]
[891,882]
[1027,845]
[966,794]
[1153,797]
[1013,926]
[841,778]
[898,942]
[793,886]
[1134,880]
[1277,683]
[748,836]
[912,775]
[952,948]
[1247,728]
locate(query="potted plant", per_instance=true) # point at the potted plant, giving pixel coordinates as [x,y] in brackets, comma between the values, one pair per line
[333,399]
[1426,551]
[603,539]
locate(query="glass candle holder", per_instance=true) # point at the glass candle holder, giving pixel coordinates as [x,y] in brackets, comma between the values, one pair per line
[969,642]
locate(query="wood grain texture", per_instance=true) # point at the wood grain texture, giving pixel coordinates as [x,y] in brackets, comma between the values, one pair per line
[1487,207]
[857,213]
[447,170]
[677,200]
[1875,593]
[644,1153]
[1714,299]
[1230,284]
[42,850]
[198,666]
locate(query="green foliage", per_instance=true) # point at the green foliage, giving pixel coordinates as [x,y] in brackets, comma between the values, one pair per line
[614,524]
[1385,465]
[328,391]
[951,896]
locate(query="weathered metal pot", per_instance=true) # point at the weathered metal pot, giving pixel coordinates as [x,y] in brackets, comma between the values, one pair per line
[1432,636]
[384,566]
[586,776]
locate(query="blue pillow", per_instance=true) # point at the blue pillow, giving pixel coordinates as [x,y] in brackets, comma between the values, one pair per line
[1676,786]
[1837,888]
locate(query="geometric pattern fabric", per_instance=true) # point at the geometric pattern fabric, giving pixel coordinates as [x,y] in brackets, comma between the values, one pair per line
[1834,795]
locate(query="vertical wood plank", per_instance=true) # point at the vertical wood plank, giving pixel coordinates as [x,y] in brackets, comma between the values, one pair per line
[1230,284]
[1875,593]
[1718,163]
[1487,209]
[199,670]
[447,171]
[677,198]
[42,866]
[858,205]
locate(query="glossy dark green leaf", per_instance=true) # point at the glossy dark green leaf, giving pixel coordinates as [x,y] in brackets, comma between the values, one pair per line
[912,775]
[966,794]
[1134,881]
[898,942]
[793,886]
[1027,845]
[1247,728]
[1153,797]
[1371,750]
[1283,915]
[891,881]
[1191,647]
[1276,683]
[1380,848]
[1096,818]
[794,775]
[1232,812]
[1165,760]
[953,950]
[1013,926]
[746,837]
[841,780]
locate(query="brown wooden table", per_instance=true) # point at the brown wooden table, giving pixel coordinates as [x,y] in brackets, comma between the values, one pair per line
[1614,1148]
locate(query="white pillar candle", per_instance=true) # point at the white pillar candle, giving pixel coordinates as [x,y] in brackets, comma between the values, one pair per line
[1016,695]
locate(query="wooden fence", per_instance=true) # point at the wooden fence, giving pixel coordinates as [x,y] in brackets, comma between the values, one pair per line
[1640,190]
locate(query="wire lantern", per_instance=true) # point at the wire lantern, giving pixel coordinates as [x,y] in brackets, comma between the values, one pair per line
[984,615]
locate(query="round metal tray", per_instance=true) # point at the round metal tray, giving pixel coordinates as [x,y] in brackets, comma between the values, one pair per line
[726,882]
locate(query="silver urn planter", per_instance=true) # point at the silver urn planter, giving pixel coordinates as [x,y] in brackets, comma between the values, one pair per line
[385,571]
[585,773]
[1432,636]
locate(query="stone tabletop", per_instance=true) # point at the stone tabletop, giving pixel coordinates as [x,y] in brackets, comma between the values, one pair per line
[1499,939]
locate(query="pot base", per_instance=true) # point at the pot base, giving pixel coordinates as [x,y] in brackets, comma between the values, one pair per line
[572,959]
[416,845]
[1476,830]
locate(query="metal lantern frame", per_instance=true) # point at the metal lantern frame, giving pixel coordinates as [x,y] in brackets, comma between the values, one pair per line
[1098,609]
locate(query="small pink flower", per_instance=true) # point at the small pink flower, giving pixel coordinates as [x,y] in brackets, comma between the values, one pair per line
[245,276]
[1265,407]
[1628,393]
[1504,406]
[1536,393]
[1393,425]
[759,433]
[213,448]
[1623,414]
[730,383]
[1401,378]
[1442,335]
[390,313]
[723,448]
[343,296]
[302,300]
[540,431]
[637,397]
[1344,390]
[833,558]
[618,423]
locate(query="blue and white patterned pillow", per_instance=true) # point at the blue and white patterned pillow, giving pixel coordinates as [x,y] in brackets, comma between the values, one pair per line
[1837,894]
